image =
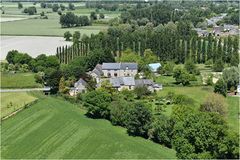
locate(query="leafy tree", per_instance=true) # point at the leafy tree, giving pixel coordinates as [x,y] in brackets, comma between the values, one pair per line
[30,10]
[214,103]
[190,67]
[43,5]
[221,87]
[149,56]
[118,112]
[76,37]
[52,78]
[141,91]
[67,36]
[101,16]
[231,77]
[62,85]
[97,104]
[161,130]
[10,56]
[62,7]
[20,6]
[139,120]
[199,135]
[93,16]
[167,69]
[39,77]
[218,66]
[55,7]
[181,76]
[71,6]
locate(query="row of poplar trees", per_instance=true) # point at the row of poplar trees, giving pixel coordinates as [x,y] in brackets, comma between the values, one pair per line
[169,48]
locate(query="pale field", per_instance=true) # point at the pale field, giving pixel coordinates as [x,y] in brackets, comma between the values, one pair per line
[33,45]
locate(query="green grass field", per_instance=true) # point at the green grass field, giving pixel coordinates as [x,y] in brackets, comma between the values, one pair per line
[34,26]
[18,80]
[54,129]
[11,102]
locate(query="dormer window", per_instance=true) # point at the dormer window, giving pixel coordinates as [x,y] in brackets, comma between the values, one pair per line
[127,68]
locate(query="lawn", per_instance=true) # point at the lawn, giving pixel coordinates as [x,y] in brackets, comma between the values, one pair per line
[55,129]
[11,102]
[233,112]
[18,80]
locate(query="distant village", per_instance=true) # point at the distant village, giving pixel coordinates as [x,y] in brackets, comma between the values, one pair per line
[218,30]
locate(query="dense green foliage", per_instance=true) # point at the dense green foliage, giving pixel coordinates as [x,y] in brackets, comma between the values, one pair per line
[221,87]
[30,10]
[71,20]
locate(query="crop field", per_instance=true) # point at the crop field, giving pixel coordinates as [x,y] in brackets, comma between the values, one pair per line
[199,94]
[18,80]
[55,129]
[34,26]
[11,102]
[33,45]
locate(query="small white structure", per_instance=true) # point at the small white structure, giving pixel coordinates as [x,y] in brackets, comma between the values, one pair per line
[154,67]
[96,73]
[79,87]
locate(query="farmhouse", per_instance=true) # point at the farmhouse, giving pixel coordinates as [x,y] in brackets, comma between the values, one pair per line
[119,69]
[79,87]
[130,83]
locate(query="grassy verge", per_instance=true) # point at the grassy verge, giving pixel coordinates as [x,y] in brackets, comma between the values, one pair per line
[18,80]
[54,129]
[11,102]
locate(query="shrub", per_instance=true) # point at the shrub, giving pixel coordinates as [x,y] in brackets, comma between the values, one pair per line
[181,76]
[221,87]
[218,66]
[141,91]
[97,104]
[138,120]
[118,112]
[182,100]
[161,130]
[231,77]
[214,103]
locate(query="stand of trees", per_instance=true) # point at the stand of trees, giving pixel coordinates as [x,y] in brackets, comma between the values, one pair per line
[173,42]
[71,20]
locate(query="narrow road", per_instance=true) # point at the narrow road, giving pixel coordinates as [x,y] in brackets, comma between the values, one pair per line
[22,90]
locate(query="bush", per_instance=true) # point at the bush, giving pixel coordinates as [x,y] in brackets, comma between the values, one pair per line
[231,77]
[190,67]
[221,87]
[141,91]
[209,80]
[118,112]
[181,76]
[97,104]
[218,66]
[182,100]
[138,120]
[161,130]
[214,103]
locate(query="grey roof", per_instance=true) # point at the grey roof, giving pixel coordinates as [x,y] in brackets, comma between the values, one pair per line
[142,82]
[118,66]
[119,81]
[80,81]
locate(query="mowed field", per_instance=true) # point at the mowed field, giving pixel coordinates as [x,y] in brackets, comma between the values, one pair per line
[34,26]
[18,80]
[53,129]
[32,45]
[10,102]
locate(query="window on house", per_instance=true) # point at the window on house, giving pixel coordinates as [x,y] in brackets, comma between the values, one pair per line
[109,74]
[115,75]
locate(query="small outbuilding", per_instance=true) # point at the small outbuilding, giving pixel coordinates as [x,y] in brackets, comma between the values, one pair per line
[154,66]
[79,87]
